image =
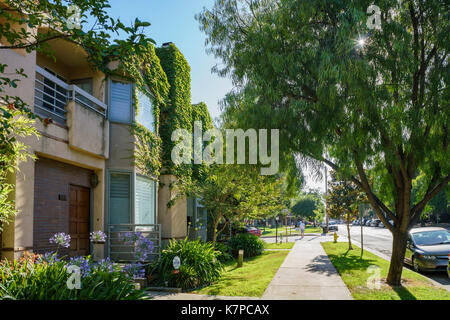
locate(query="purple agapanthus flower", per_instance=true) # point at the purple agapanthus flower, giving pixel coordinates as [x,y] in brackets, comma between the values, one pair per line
[98,236]
[135,270]
[61,239]
[49,257]
[105,265]
[84,263]
[142,246]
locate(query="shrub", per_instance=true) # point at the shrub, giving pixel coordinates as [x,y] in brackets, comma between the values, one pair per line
[46,278]
[251,244]
[225,251]
[199,264]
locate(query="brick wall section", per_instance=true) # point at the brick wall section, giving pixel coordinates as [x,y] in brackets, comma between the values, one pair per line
[51,215]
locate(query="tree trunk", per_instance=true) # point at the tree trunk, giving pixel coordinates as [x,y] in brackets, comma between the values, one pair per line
[214,237]
[348,231]
[397,259]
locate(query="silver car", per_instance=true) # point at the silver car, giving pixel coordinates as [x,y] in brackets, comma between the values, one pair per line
[428,249]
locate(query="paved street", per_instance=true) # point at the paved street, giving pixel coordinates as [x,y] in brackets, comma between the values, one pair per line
[380,239]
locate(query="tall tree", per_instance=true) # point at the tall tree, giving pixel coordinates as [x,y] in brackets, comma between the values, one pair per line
[368,103]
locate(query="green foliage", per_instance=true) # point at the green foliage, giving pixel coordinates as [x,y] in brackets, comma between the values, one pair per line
[29,279]
[147,150]
[374,113]
[200,113]
[12,152]
[199,264]
[371,112]
[251,244]
[225,251]
[343,199]
[306,205]
[177,114]
[233,193]
[145,70]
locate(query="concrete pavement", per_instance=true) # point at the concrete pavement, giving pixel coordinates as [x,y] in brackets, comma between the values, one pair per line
[307,274]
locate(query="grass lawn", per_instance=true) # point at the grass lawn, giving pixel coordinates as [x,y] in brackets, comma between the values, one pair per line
[353,272]
[283,245]
[270,232]
[251,280]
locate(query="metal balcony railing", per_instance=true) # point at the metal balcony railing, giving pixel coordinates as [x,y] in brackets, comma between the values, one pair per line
[51,95]
[119,251]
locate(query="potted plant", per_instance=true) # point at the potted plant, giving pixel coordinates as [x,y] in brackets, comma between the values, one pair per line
[98,239]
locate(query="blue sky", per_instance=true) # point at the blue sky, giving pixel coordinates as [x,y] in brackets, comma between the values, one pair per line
[173,21]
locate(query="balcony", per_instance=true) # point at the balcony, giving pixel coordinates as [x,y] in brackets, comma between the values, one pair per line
[52,95]
[68,105]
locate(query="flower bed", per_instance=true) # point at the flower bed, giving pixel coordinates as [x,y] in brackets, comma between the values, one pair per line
[54,277]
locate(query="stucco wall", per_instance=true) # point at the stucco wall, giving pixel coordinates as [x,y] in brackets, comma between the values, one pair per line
[82,123]
[173,220]
[54,144]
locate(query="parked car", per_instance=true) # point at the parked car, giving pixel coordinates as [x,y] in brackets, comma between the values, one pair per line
[356,223]
[367,223]
[254,231]
[428,249]
[375,223]
[332,226]
[381,225]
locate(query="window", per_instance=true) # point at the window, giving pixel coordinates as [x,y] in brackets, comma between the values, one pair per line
[120,101]
[119,198]
[126,207]
[145,115]
[85,84]
[145,211]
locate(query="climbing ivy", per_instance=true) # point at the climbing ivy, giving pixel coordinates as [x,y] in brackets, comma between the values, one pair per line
[177,114]
[150,79]
[200,113]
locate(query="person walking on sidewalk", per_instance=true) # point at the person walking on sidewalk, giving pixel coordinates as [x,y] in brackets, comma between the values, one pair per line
[302,229]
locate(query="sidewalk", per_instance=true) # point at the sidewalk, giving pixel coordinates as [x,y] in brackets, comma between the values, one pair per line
[307,274]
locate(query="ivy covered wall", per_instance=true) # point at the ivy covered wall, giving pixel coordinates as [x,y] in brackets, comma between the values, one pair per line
[178,111]
[200,113]
[150,79]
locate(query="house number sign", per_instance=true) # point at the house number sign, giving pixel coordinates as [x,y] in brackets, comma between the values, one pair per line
[176,262]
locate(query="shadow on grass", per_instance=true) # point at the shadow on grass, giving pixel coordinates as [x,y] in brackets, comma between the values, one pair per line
[234,262]
[403,293]
[343,262]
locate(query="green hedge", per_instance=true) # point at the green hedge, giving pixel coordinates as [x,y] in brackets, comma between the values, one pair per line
[251,244]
